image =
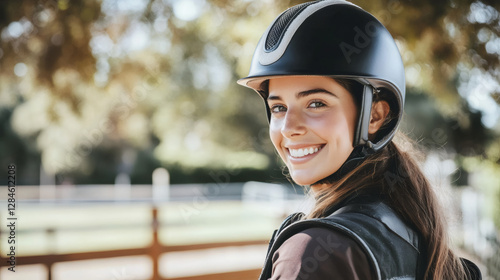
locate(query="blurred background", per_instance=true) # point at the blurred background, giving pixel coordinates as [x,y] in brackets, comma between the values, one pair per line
[139,157]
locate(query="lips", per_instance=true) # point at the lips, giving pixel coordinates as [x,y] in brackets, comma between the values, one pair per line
[302,152]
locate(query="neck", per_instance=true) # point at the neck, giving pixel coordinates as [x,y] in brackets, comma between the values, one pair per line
[319,187]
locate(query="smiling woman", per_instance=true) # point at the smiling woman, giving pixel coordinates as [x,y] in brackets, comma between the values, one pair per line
[312,125]
[334,86]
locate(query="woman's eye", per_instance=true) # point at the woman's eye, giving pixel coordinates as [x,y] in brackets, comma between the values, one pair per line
[278,109]
[316,104]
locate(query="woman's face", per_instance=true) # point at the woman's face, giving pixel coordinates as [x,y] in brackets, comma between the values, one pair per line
[312,125]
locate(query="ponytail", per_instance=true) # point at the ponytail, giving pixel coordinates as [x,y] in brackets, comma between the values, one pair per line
[394,175]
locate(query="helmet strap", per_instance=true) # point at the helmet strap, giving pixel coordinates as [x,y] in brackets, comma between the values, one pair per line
[361,132]
[357,156]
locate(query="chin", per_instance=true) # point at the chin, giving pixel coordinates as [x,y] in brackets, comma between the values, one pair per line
[308,178]
[305,180]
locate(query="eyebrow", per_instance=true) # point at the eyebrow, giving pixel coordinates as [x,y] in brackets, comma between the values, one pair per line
[304,93]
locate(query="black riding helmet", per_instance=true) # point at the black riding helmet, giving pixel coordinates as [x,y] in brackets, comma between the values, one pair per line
[338,39]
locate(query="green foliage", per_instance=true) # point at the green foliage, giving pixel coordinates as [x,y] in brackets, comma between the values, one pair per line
[462,133]
[88,81]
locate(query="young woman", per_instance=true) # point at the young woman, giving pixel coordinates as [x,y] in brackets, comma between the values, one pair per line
[333,83]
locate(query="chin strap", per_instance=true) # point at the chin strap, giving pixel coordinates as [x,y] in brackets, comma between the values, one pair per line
[357,156]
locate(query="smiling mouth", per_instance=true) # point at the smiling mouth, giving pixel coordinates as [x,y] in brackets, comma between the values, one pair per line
[298,153]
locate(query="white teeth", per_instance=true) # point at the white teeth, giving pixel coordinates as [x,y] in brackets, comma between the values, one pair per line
[303,152]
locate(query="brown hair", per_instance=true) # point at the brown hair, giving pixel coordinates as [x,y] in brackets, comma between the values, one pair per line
[394,175]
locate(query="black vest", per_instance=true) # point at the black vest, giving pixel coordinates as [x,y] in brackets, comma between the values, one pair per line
[392,248]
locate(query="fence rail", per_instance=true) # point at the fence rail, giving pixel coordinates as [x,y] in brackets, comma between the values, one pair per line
[154,250]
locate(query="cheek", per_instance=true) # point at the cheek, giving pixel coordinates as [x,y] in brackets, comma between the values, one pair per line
[351,118]
[275,134]
[336,127]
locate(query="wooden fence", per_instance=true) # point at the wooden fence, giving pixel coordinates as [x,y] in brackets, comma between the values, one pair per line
[154,250]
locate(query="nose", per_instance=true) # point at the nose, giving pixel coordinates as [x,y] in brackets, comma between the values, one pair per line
[293,124]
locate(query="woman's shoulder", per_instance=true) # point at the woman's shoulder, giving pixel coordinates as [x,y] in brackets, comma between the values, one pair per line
[320,253]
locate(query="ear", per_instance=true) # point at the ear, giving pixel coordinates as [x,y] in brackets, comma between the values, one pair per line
[380,110]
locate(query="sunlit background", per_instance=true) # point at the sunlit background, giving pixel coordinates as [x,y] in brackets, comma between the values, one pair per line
[139,157]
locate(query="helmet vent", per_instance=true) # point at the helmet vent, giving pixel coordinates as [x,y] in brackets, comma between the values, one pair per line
[281,24]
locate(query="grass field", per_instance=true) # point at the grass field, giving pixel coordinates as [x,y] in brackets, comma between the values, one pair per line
[43,229]
[69,228]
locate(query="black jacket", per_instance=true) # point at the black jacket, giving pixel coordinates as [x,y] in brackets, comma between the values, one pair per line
[391,247]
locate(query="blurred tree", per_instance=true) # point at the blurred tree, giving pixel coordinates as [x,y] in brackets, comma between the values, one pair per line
[18,151]
[89,80]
